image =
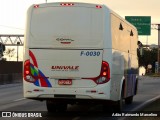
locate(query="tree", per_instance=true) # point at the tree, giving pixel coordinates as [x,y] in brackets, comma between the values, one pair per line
[149,57]
[10,52]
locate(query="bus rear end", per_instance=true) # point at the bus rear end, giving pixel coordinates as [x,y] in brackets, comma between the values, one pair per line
[63,59]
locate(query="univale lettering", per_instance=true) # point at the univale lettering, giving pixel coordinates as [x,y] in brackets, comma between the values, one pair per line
[65,67]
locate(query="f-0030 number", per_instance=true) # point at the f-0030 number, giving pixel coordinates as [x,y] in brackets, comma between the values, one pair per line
[90,53]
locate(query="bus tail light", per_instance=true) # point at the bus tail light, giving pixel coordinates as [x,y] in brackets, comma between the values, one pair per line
[66,4]
[36,6]
[104,74]
[98,6]
[27,72]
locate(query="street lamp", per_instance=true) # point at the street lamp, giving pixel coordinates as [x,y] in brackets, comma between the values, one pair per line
[158,46]
[18,43]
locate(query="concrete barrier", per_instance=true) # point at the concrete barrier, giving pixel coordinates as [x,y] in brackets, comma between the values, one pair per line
[10,78]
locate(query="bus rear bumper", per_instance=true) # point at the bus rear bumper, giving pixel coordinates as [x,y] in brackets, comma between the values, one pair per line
[100,92]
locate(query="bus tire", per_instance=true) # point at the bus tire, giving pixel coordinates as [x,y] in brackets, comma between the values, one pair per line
[62,107]
[129,100]
[119,104]
[51,107]
[106,108]
[136,87]
[54,107]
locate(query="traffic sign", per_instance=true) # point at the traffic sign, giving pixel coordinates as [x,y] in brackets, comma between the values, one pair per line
[142,23]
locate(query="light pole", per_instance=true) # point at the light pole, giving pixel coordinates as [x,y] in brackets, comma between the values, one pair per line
[157,27]
[158,46]
[18,43]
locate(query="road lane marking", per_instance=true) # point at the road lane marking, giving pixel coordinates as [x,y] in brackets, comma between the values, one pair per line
[76,118]
[141,106]
[19,99]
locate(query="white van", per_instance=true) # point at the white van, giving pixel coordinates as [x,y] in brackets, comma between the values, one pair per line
[79,53]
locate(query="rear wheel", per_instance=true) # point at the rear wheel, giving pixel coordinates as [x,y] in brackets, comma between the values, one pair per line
[129,100]
[119,104]
[136,87]
[51,107]
[62,107]
[107,108]
[54,107]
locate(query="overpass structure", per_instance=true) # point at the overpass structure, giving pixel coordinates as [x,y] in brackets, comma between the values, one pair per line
[18,39]
[12,39]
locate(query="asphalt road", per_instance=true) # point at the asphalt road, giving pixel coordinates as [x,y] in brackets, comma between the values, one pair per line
[11,99]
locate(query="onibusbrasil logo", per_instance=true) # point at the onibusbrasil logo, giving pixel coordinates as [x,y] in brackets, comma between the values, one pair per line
[21,114]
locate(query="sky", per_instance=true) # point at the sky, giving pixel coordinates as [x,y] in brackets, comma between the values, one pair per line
[13,13]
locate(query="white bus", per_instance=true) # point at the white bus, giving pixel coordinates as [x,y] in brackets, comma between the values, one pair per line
[79,53]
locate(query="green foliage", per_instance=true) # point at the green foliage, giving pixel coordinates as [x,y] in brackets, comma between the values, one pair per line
[149,57]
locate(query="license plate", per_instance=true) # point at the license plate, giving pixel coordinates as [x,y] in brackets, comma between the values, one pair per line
[65,82]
